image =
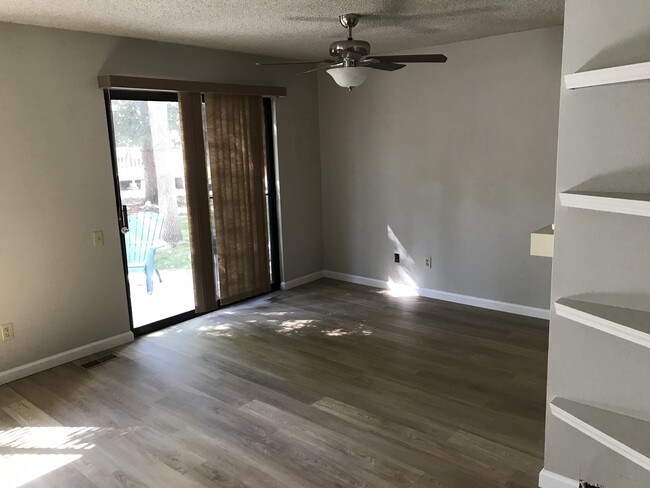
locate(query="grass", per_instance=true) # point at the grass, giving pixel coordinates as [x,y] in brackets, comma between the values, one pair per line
[178,256]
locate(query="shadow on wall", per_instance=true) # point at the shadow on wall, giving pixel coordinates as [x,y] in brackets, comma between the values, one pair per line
[635,301]
[630,51]
[136,57]
[633,180]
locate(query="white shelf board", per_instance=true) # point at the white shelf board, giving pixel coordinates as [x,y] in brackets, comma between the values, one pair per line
[628,436]
[541,242]
[625,323]
[608,76]
[623,203]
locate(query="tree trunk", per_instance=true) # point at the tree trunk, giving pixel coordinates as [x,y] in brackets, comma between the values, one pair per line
[161,140]
[150,178]
[148,161]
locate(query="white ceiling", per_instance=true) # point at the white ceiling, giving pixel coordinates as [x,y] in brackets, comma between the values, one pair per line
[289,28]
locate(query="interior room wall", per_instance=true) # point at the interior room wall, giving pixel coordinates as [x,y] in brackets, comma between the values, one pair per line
[56,182]
[454,161]
[603,145]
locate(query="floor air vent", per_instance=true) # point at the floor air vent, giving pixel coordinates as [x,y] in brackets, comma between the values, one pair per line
[98,361]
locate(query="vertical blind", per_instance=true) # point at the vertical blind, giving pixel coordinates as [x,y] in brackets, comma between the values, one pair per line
[235,136]
[234,127]
[196,187]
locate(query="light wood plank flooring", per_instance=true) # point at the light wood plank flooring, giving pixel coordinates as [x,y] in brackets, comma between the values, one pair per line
[326,385]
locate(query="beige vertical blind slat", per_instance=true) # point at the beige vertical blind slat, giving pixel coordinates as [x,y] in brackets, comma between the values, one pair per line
[198,202]
[236,148]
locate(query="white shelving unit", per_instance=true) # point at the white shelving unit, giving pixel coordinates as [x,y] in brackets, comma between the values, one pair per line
[628,436]
[625,323]
[622,203]
[608,76]
[541,242]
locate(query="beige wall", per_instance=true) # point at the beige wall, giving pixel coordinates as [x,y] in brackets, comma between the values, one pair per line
[453,161]
[603,145]
[56,182]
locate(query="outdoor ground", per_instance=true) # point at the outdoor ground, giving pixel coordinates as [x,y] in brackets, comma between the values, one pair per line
[175,294]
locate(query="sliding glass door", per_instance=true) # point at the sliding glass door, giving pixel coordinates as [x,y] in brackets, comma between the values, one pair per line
[172,200]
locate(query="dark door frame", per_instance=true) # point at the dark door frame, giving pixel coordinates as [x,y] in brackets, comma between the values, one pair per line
[274,226]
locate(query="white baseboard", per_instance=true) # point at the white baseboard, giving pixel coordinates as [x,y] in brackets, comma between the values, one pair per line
[514,308]
[64,357]
[549,479]
[287,285]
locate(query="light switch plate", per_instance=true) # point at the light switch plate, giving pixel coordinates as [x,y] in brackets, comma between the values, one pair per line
[98,238]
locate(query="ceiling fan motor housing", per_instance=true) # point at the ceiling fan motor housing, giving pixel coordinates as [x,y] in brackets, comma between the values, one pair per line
[351,48]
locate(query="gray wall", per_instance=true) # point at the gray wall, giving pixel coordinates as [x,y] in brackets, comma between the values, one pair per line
[603,144]
[56,182]
[453,161]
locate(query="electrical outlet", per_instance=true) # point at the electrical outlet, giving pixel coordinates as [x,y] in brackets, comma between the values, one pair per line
[397,257]
[7,331]
[98,238]
[428,262]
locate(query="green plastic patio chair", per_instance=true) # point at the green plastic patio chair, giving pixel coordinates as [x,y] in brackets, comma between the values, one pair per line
[142,240]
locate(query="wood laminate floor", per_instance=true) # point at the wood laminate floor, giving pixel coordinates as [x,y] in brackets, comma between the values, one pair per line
[327,385]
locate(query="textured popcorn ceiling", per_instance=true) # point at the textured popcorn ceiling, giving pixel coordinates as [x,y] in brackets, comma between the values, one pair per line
[293,29]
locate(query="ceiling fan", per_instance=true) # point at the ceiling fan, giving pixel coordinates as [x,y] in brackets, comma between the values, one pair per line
[352,60]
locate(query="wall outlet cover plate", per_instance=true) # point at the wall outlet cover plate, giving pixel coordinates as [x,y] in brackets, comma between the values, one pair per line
[7,331]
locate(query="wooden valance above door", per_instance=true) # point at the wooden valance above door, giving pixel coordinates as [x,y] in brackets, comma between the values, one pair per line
[163,84]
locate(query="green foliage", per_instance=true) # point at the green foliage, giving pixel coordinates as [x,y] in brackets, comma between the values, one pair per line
[131,121]
[178,256]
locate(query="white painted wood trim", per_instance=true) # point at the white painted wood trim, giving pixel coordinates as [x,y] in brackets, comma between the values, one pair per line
[623,203]
[608,76]
[542,241]
[549,479]
[630,325]
[513,308]
[359,280]
[64,357]
[287,285]
[619,433]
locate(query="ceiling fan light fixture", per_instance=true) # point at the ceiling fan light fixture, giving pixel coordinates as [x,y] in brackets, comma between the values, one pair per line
[350,76]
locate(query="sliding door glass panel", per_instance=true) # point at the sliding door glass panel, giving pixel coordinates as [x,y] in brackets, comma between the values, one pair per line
[149,155]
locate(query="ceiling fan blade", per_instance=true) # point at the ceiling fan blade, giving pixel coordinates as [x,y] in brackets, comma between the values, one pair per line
[282,63]
[413,58]
[318,69]
[384,66]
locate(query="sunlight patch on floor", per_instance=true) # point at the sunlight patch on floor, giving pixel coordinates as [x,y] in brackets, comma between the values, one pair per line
[19,469]
[48,437]
[218,330]
[21,456]
[289,326]
[399,290]
[343,332]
